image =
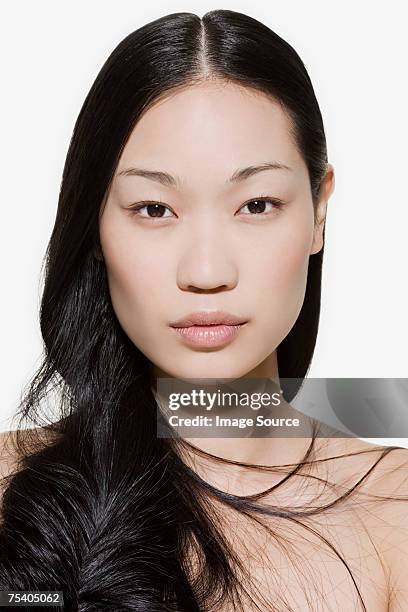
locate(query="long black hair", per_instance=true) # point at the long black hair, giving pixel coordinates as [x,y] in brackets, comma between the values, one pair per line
[100,508]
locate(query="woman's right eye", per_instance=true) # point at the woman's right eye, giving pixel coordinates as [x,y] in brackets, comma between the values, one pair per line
[155,208]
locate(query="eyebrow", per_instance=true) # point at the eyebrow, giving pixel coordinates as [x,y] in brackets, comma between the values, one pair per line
[164,178]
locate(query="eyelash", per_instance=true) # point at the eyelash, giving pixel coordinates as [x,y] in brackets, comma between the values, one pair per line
[277,204]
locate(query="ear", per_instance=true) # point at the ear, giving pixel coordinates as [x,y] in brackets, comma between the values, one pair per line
[326,189]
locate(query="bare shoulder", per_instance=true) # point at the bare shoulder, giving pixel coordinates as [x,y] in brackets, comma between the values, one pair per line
[13,446]
[390,482]
[8,461]
[8,455]
[382,503]
[11,453]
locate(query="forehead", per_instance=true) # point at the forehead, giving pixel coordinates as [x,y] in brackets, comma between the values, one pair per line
[211,128]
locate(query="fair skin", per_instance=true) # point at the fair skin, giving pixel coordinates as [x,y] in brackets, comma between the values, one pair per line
[205,251]
[210,252]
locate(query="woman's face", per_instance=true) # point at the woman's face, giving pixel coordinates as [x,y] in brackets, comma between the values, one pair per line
[211,244]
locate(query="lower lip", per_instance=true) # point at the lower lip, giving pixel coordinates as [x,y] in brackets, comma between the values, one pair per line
[208,335]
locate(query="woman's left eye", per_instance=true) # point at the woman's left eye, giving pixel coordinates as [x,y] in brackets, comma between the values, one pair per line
[256,206]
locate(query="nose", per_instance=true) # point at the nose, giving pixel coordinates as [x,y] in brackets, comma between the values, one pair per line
[207,263]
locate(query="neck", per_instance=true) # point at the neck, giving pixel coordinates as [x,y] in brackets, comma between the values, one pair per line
[277,444]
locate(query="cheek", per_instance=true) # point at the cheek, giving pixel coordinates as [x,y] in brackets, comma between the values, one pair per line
[136,268]
[137,290]
[289,266]
[137,285]
[281,279]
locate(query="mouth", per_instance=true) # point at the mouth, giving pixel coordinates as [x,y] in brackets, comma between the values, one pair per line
[209,335]
[209,318]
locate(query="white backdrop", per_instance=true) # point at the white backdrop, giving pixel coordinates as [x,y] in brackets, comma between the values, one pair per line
[356,56]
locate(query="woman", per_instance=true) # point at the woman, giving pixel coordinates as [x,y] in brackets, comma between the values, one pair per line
[197,179]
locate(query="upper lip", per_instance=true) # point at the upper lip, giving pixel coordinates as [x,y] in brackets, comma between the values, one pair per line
[218,317]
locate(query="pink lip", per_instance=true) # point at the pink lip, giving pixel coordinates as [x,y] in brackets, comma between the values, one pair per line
[215,317]
[208,335]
